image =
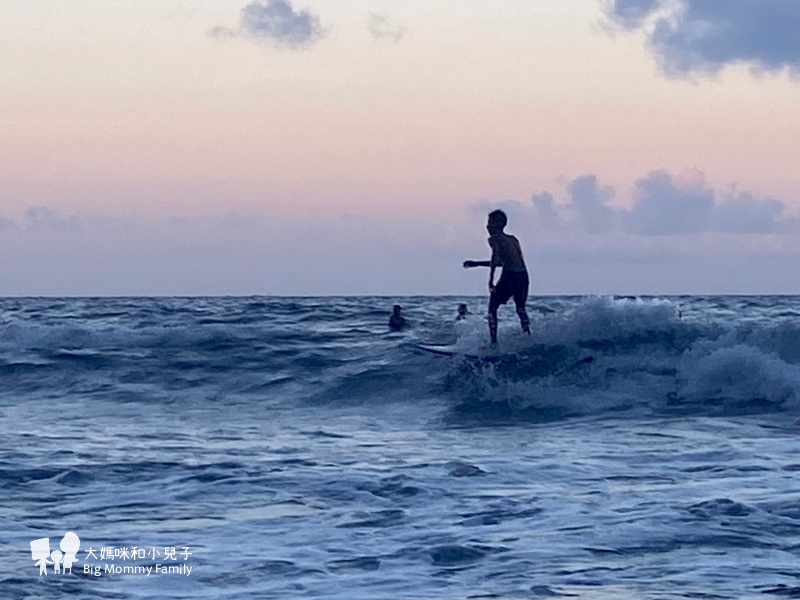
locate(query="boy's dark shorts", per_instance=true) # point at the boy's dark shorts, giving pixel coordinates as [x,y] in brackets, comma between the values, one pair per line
[512,283]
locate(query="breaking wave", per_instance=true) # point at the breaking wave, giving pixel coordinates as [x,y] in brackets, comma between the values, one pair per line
[585,357]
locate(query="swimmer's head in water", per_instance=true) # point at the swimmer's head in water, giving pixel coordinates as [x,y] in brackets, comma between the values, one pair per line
[397,309]
[497,221]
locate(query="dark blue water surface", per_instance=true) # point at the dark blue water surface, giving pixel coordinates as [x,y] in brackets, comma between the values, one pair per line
[294,447]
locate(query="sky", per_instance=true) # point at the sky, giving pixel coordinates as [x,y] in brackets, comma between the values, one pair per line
[326,147]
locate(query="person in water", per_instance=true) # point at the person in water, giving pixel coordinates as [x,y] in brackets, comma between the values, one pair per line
[463,311]
[506,253]
[396,321]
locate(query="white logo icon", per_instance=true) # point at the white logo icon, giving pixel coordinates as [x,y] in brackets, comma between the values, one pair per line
[40,552]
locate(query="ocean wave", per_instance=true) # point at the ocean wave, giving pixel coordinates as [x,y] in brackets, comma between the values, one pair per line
[606,355]
[585,356]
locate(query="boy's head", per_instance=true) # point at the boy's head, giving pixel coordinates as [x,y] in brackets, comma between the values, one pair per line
[497,221]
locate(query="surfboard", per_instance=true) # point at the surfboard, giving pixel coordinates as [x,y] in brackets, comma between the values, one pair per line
[444,350]
[509,358]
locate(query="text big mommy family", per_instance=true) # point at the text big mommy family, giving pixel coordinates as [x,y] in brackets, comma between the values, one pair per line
[63,561]
[157,569]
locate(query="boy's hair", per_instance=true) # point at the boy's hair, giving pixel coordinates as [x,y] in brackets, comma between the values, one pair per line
[498,217]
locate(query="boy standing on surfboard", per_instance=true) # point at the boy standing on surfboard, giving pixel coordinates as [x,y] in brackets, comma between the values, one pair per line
[506,253]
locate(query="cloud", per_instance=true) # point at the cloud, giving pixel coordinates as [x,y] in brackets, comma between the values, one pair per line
[544,206]
[382,29]
[632,13]
[276,22]
[745,214]
[590,202]
[663,205]
[704,36]
[587,208]
[41,217]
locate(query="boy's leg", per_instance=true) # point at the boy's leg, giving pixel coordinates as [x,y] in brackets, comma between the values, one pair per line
[493,306]
[524,321]
[520,297]
[502,293]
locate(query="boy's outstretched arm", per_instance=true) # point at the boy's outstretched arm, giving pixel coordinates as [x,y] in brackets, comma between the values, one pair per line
[468,264]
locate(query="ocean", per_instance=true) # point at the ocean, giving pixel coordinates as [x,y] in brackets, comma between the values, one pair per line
[271,447]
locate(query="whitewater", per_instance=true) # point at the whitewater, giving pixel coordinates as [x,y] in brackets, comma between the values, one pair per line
[296,448]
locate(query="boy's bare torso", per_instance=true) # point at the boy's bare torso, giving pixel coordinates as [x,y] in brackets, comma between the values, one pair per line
[506,252]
